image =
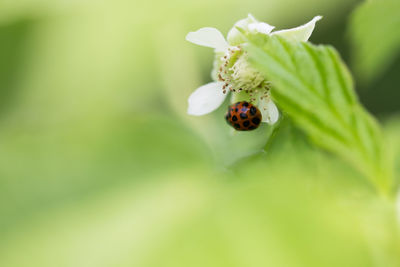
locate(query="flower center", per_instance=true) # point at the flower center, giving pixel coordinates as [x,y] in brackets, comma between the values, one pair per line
[238,75]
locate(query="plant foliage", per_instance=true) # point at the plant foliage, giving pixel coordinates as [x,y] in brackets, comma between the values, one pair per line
[314,87]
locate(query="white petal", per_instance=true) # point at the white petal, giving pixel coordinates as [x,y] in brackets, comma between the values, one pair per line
[269,111]
[209,37]
[248,24]
[260,27]
[301,33]
[206,99]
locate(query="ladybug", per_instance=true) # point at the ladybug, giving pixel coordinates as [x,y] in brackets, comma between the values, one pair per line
[243,116]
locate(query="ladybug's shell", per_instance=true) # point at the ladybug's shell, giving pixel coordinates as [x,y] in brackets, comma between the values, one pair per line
[243,116]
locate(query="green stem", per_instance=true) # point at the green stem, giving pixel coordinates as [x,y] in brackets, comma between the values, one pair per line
[275,130]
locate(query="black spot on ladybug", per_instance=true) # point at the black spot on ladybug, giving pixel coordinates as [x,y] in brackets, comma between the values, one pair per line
[253,110]
[243,116]
[255,120]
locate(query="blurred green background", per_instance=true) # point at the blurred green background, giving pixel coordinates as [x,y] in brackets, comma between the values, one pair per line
[101,166]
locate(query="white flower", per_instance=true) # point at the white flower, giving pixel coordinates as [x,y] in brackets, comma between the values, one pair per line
[232,72]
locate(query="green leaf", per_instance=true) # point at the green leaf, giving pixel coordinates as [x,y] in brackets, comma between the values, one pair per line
[313,86]
[392,133]
[375,36]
